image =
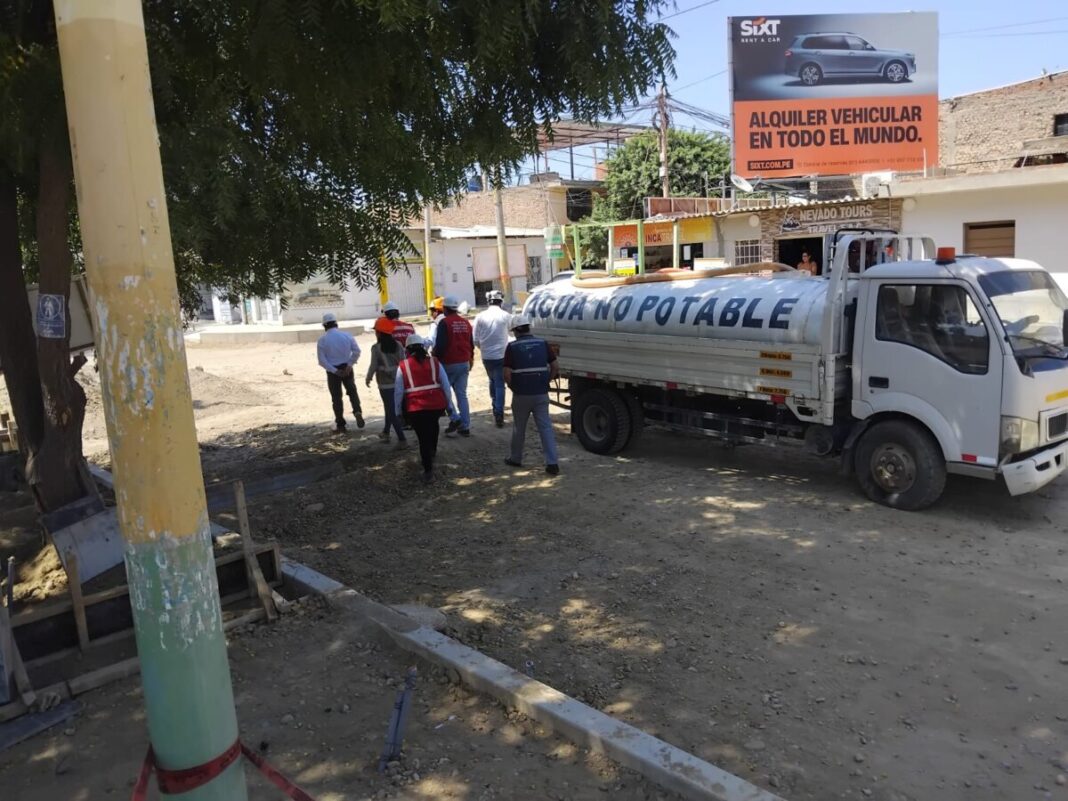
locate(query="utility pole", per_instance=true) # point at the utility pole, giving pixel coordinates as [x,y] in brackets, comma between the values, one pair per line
[428,270]
[661,121]
[159,486]
[502,244]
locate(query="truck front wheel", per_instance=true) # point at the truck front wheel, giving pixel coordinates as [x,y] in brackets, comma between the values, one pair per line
[900,465]
[601,421]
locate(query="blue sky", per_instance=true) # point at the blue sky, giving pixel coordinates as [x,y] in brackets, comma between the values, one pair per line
[982,44]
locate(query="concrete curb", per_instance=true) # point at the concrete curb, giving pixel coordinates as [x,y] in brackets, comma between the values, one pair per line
[670,767]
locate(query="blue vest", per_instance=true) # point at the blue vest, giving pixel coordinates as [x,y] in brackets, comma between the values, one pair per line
[530,366]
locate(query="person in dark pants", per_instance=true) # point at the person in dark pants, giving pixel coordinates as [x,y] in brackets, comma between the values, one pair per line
[386,356]
[422,394]
[338,351]
[529,366]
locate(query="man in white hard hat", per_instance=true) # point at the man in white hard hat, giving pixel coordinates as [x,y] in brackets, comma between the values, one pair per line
[491,337]
[529,366]
[454,347]
[337,352]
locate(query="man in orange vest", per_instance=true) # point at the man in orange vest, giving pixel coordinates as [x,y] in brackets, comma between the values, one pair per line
[454,345]
[421,394]
[391,323]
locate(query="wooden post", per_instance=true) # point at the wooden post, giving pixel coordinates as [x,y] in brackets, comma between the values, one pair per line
[256,581]
[74,580]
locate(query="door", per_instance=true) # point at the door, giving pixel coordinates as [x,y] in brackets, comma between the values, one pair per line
[407,289]
[862,58]
[927,352]
[995,239]
[836,58]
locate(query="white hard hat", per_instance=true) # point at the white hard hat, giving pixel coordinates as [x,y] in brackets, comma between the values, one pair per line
[389,306]
[451,302]
[414,340]
[494,294]
[329,317]
[519,320]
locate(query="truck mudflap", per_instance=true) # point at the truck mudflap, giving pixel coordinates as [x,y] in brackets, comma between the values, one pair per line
[1036,471]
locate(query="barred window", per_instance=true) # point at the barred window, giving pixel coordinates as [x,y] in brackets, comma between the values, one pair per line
[746,251]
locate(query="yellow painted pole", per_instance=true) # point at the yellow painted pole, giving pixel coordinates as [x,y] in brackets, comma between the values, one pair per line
[428,270]
[159,488]
[383,282]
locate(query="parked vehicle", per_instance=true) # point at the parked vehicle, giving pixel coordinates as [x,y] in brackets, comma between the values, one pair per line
[815,56]
[905,367]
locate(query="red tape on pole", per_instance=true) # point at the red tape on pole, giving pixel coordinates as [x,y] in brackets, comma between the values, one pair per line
[176,782]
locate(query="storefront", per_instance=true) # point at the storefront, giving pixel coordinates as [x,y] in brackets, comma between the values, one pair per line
[693,237]
[784,233]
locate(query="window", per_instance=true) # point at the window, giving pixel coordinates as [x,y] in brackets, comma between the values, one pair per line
[856,43]
[579,204]
[746,251]
[939,319]
[1060,124]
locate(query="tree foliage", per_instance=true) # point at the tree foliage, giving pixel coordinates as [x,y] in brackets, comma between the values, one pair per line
[633,174]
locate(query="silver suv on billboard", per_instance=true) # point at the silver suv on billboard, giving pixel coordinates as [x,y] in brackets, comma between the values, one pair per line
[815,56]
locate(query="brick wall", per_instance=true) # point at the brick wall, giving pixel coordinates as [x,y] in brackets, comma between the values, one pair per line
[524,207]
[985,131]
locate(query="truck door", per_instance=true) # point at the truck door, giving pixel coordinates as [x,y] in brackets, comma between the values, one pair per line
[927,351]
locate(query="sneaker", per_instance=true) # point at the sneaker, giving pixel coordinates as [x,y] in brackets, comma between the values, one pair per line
[401,444]
[340,428]
[454,426]
[465,432]
[384,436]
[499,420]
[359,420]
[428,476]
[512,462]
[552,469]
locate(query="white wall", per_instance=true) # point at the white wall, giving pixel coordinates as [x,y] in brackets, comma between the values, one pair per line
[1040,213]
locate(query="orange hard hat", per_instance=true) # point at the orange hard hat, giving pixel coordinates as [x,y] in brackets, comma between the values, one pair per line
[438,304]
[383,325]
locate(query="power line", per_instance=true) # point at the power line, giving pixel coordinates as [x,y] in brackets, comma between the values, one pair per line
[1019,33]
[688,10]
[700,80]
[1006,25]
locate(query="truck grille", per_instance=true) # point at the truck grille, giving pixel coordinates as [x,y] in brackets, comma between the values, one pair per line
[1057,426]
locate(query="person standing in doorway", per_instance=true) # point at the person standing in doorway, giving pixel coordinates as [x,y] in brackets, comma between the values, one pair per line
[386,356]
[391,323]
[421,395]
[338,351]
[529,366]
[808,264]
[454,346]
[491,337]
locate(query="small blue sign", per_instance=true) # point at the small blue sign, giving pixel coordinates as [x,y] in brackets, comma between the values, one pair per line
[51,317]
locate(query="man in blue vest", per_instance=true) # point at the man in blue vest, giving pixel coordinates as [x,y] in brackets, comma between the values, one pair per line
[529,366]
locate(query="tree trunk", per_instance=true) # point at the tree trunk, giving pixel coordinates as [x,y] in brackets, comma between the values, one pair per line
[17,341]
[55,470]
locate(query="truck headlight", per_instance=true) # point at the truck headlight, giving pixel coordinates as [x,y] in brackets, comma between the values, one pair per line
[1018,435]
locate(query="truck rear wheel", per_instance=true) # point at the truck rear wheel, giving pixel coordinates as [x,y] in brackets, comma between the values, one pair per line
[601,421]
[900,465]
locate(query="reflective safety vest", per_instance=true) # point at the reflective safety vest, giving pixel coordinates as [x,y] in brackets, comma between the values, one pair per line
[459,344]
[401,332]
[422,389]
[529,360]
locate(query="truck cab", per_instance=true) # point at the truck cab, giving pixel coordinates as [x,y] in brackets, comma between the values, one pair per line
[959,365]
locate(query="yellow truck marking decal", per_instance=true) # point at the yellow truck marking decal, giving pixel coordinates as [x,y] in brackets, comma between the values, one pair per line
[1056,396]
[773,390]
[776,372]
[777,355]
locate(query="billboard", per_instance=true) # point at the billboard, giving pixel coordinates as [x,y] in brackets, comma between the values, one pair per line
[834,94]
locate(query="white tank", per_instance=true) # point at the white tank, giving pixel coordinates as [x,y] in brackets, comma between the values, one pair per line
[787,309]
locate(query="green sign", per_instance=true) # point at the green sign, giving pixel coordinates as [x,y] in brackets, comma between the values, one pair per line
[554,242]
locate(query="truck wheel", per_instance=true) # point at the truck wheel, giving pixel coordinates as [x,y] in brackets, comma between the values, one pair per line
[601,421]
[637,416]
[900,465]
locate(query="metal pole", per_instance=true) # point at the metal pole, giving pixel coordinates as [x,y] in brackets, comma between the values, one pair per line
[159,486]
[578,251]
[502,247]
[675,244]
[428,271]
[611,249]
[571,153]
[641,247]
[383,282]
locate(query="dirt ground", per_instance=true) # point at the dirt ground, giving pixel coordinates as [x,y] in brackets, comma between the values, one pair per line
[314,695]
[748,605]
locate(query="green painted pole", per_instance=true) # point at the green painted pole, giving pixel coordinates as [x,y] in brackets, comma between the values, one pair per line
[159,486]
[578,251]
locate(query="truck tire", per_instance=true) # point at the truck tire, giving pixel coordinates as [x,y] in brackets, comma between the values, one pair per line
[601,421]
[637,416]
[900,465]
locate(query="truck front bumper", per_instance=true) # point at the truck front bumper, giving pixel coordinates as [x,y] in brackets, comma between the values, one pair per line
[1036,471]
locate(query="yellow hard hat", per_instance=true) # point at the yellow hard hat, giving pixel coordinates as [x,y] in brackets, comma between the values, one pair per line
[438,304]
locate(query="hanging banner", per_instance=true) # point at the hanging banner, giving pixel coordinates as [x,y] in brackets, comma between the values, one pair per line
[834,94]
[554,242]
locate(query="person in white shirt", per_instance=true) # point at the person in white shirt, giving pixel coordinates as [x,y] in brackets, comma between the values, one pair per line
[337,352]
[491,337]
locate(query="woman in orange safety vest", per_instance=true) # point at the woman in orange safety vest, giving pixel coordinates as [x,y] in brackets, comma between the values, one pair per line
[422,395]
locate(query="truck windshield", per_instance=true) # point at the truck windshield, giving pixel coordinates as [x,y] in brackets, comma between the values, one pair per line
[1031,307]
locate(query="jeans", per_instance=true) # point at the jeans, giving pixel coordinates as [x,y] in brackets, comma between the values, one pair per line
[495,371]
[335,384]
[425,425]
[391,418]
[522,407]
[458,374]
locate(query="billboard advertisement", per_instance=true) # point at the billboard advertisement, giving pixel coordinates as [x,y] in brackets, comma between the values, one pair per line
[834,94]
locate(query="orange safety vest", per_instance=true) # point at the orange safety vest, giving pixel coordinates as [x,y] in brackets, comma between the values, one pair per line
[422,389]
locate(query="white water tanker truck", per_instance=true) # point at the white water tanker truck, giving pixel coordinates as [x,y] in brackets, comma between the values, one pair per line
[904,366]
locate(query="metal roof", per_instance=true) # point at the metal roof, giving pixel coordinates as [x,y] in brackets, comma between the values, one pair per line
[794,204]
[572,133]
